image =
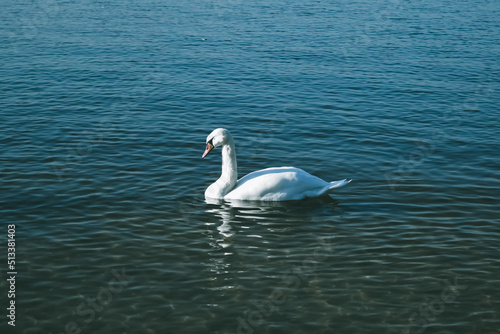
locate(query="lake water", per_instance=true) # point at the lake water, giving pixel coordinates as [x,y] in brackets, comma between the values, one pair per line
[105,107]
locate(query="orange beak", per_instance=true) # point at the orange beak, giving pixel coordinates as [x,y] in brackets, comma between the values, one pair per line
[207,150]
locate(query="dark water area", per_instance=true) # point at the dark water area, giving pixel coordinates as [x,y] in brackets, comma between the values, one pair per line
[104,111]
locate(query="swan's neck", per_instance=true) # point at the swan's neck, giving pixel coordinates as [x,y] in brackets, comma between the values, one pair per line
[229,166]
[229,175]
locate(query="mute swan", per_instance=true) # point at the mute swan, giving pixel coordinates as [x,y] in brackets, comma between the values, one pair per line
[271,184]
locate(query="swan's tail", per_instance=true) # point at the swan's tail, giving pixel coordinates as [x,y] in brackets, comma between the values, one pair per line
[335,184]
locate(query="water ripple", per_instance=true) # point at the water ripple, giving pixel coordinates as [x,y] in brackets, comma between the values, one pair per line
[105,109]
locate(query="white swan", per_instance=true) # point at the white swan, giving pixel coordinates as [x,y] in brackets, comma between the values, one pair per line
[271,184]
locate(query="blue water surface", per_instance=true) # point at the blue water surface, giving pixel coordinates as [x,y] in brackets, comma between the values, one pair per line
[104,111]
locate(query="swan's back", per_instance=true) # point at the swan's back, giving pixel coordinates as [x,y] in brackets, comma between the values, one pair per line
[280,184]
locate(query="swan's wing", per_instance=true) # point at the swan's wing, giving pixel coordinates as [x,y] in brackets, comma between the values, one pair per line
[271,184]
[280,184]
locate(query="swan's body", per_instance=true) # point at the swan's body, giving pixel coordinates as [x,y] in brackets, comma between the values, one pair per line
[271,184]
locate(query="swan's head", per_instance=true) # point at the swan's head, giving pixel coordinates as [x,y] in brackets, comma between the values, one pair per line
[217,138]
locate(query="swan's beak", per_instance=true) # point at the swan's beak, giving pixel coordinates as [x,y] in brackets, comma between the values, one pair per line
[207,150]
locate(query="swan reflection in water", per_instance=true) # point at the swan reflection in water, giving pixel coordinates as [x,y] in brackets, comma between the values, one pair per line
[221,255]
[260,223]
[261,213]
[221,238]
[224,212]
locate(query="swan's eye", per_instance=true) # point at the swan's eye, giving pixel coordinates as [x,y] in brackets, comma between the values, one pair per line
[210,142]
